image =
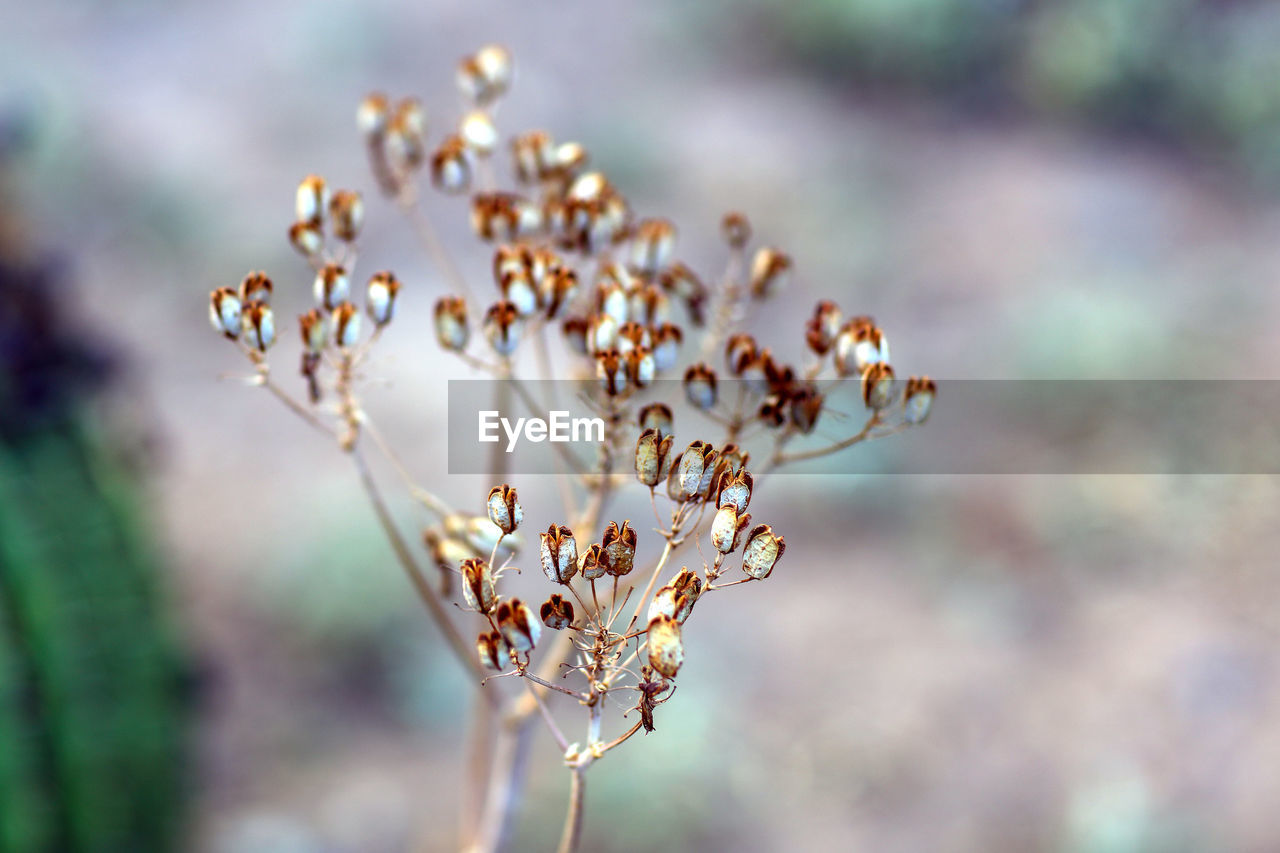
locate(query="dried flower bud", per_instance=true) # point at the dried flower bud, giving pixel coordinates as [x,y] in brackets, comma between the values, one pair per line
[311,200]
[640,367]
[518,626]
[666,346]
[485,75]
[769,270]
[502,328]
[556,613]
[657,416]
[451,166]
[534,155]
[735,490]
[380,296]
[736,230]
[653,452]
[666,651]
[728,528]
[315,331]
[224,312]
[740,353]
[478,132]
[559,554]
[762,551]
[451,323]
[652,246]
[478,588]
[255,287]
[806,406]
[878,386]
[504,510]
[491,648]
[346,325]
[700,386]
[307,238]
[697,459]
[576,332]
[518,289]
[346,214]
[918,399]
[618,549]
[859,345]
[258,325]
[332,286]
[822,328]
[592,563]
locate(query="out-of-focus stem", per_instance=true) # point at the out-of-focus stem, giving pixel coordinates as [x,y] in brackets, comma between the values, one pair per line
[572,833]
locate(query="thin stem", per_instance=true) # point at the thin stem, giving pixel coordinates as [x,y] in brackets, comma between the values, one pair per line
[561,740]
[572,833]
[408,201]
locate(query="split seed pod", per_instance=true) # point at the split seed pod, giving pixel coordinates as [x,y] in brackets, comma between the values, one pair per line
[735,491]
[451,323]
[762,551]
[478,588]
[491,647]
[736,230]
[332,286]
[698,459]
[769,270]
[502,327]
[592,563]
[653,456]
[504,509]
[878,386]
[559,554]
[315,331]
[666,650]
[255,287]
[346,214]
[380,297]
[451,166]
[657,416]
[258,325]
[346,325]
[308,239]
[918,399]
[518,625]
[700,386]
[728,528]
[224,312]
[556,613]
[618,548]
[311,200]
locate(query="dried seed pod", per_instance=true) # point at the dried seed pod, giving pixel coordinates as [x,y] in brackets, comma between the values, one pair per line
[700,386]
[918,399]
[773,411]
[315,331]
[502,328]
[653,452]
[346,325]
[406,135]
[822,328]
[696,460]
[504,509]
[504,216]
[648,305]
[451,323]
[447,553]
[859,345]
[688,587]
[618,549]
[559,554]
[255,287]
[451,166]
[577,333]
[372,116]
[755,373]
[769,270]
[556,613]
[666,650]
[736,230]
[332,286]
[878,386]
[681,281]
[311,200]
[570,157]
[652,245]
[664,603]
[762,551]
[734,458]
[346,214]
[640,367]
[631,336]
[224,312]
[518,625]
[558,288]
[534,155]
[491,648]
[740,353]
[667,339]
[611,300]
[805,407]
[592,563]
[518,289]
[485,75]
[713,468]
[735,489]
[307,238]
[478,588]
[611,371]
[258,325]
[657,416]
[602,333]
[478,132]
[728,528]
[380,297]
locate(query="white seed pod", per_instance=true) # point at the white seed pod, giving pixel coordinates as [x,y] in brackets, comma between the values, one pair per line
[769,271]
[666,650]
[332,286]
[311,200]
[823,327]
[736,229]
[346,214]
[518,289]
[602,334]
[557,289]
[611,372]
[482,535]
[723,529]
[918,399]
[504,508]
[688,589]
[306,238]
[657,416]
[380,297]
[591,186]
[611,300]
[736,491]
[878,386]
[255,287]
[478,588]
[700,386]
[559,554]
[534,155]
[518,625]
[503,327]
[631,336]
[693,464]
[315,331]
[653,456]
[762,551]
[373,115]
[479,132]
[570,157]
[858,345]
[451,166]
[641,367]
[666,347]
[711,469]
[485,75]
[451,323]
[492,650]
[663,604]
[345,322]
[258,325]
[224,312]
[652,246]
[591,565]
[556,612]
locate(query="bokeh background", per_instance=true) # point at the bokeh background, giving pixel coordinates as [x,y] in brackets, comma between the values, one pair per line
[1015,189]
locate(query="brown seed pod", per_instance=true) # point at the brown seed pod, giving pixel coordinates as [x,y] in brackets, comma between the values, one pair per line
[859,345]
[556,613]
[258,325]
[332,286]
[918,399]
[372,116]
[504,508]
[255,287]
[451,166]
[762,551]
[696,462]
[345,321]
[478,588]
[518,625]
[307,238]
[315,331]
[380,297]
[878,386]
[653,456]
[666,650]
[618,549]
[611,371]
[492,650]
[736,230]
[346,214]
[451,323]
[822,328]
[592,563]
[485,75]
[559,553]
[740,353]
[534,155]
[656,416]
[503,327]
[224,312]
[805,405]
[769,270]
[653,244]
[700,386]
[311,200]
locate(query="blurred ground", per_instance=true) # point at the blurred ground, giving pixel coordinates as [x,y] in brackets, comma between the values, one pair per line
[944,664]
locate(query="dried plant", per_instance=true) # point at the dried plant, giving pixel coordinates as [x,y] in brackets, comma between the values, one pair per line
[571,263]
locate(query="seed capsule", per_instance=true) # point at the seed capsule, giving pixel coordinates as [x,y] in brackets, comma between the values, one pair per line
[822,328]
[736,230]
[735,489]
[380,297]
[518,289]
[685,285]
[611,371]
[478,588]
[504,216]
[611,301]
[666,651]
[491,648]
[576,333]
[558,288]
[618,549]
[762,551]
[451,323]
[346,214]
[728,528]
[556,613]
[688,587]
[346,325]
[559,554]
[860,346]
[918,399]
[255,287]
[592,564]
[502,328]
[653,452]
[315,331]
[373,115]
[485,75]
[478,132]
[696,460]
[666,346]
[769,269]
[451,166]
[740,353]
[700,386]
[504,510]
[534,155]
[602,333]
[308,239]
[258,325]
[652,245]
[518,626]
[406,135]
[224,312]
[640,367]
[332,286]
[656,416]
[806,405]
[878,386]
[311,200]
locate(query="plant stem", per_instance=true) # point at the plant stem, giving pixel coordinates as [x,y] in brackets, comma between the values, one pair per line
[572,833]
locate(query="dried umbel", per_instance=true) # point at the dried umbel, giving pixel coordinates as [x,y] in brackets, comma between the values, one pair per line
[762,551]
[556,613]
[666,648]
[559,554]
[518,625]
[504,508]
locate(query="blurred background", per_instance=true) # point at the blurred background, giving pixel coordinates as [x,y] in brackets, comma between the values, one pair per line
[204,643]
